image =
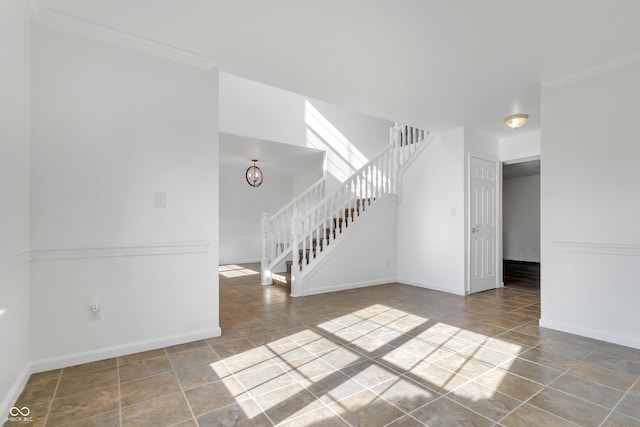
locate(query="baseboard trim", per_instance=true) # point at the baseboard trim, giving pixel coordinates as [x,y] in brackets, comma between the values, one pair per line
[14,392]
[431,286]
[120,350]
[590,333]
[347,286]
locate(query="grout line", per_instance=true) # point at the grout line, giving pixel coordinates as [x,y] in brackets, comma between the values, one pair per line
[184,395]
[119,392]
[55,391]
[620,400]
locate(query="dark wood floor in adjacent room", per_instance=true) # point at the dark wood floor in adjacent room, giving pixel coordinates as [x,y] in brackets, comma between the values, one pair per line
[522,274]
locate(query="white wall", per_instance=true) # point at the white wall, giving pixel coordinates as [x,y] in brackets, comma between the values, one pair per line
[590,203]
[520,146]
[241,209]
[14,191]
[366,255]
[431,239]
[521,218]
[257,110]
[111,127]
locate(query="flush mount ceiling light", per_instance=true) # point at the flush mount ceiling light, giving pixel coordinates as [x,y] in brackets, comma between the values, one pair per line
[515,121]
[254,175]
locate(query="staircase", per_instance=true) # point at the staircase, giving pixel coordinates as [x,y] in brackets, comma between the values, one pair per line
[306,230]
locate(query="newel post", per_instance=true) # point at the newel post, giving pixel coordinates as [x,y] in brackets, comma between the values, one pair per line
[265,273]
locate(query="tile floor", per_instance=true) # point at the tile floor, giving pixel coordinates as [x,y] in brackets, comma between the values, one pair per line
[391,355]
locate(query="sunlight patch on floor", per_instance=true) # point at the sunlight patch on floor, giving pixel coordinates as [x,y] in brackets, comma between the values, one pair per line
[233,270]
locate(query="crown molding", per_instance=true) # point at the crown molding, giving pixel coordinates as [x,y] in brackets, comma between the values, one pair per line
[589,73]
[597,248]
[121,38]
[170,248]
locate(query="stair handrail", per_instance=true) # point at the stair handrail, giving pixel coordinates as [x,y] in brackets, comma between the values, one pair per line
[276,230]
[323,223]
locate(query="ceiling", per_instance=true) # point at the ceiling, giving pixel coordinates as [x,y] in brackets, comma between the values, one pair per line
[430,63]
[235,150]
[516,170]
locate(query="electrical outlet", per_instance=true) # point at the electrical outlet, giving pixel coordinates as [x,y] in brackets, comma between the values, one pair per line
[94,311]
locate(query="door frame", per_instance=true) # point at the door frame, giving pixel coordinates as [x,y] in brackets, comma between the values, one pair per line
[467,223]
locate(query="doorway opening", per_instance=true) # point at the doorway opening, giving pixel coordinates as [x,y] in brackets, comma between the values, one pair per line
[521,223]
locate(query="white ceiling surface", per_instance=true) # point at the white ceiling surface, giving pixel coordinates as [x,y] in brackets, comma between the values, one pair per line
[516,170]
[430,63]
[236,150]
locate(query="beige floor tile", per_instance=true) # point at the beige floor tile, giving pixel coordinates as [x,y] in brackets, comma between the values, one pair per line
[287,403]
[533,371]
[232,347]
[123,360]
[90,367]
[37,392]
[509,384]
[243,414]
[84,405]
[73,384]
[194,356]
[588,390]
[369,373]
[366,409]
[400,361]
[144,368]
[546,358]
[527,416]
[620,420]
[630,406]
[200,375]
[148,388]
[45,376]
[404,393]
[599,374]
[445,412]
[466,367]
[306,368]
[488,402]
[485,355]
[436,378]
[163,411]
[342,357]
[108,419]
[570,408]
[215,395]
[186,346]
[265,380]
[332,387]
[406,421]
[322,417]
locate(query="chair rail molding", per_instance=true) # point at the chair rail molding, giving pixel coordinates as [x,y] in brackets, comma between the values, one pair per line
[106,251]
[602,248]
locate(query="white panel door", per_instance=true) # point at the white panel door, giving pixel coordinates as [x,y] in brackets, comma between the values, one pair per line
[483,222]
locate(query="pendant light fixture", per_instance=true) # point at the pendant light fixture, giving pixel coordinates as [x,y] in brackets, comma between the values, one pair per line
[515,121]
[254,175]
